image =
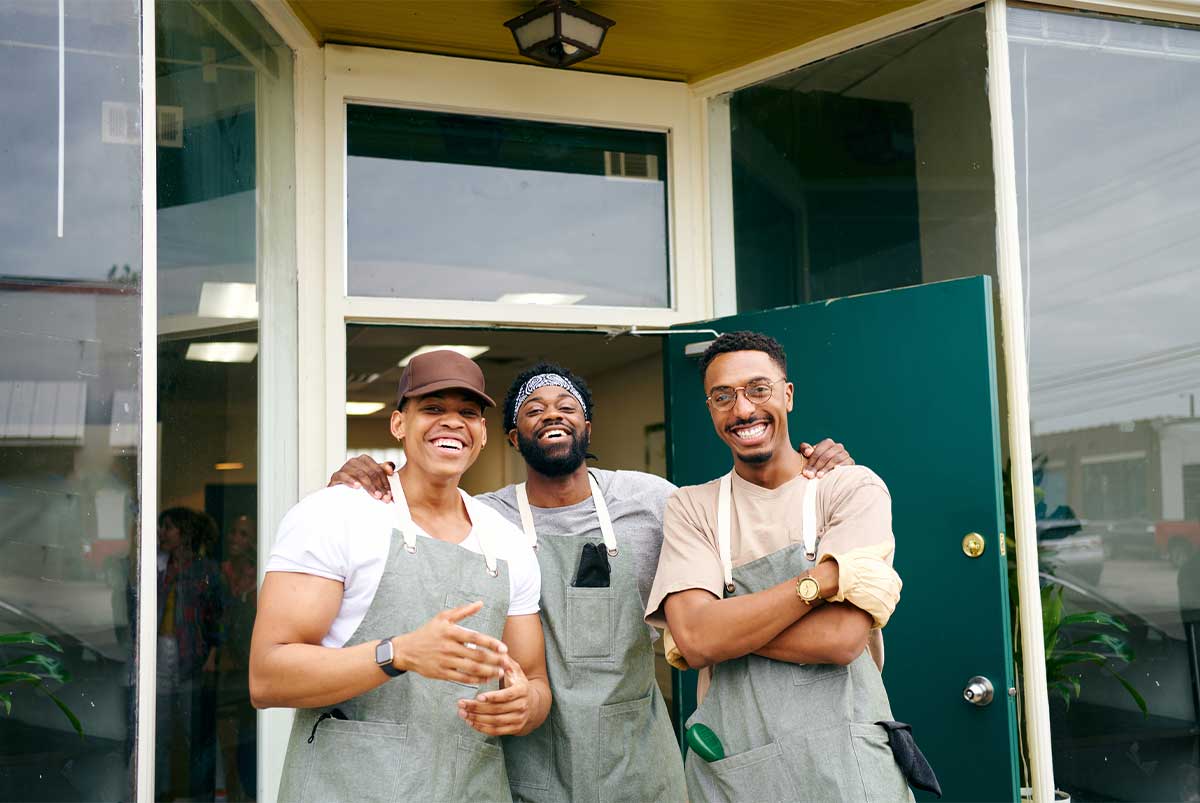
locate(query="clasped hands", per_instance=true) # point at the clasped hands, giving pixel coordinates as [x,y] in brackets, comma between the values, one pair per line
[441,649]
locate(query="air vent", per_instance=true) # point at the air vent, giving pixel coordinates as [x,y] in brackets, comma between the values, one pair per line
[120,123]
[170,126]
[640,166]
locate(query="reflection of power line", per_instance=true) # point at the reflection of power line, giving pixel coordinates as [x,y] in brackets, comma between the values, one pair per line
[1139,362]
[1139,230]
[1102,403]
[1079,398]
[1091,276]
[1079,302]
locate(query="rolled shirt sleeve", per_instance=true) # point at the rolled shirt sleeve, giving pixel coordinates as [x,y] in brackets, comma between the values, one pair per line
[858,535]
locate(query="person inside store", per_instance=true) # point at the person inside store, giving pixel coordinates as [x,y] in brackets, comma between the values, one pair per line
[597,534]
[775,585]
[375,619]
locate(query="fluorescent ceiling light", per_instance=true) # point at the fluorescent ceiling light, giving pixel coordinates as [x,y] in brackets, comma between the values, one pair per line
[540,298]
[470,352]
[228,300]
[229,466]
[222,352]
[363,408]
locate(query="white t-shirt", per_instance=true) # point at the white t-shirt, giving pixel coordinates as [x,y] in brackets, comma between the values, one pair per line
[344,533]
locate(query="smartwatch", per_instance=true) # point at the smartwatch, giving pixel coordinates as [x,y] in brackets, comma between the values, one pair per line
[385,653]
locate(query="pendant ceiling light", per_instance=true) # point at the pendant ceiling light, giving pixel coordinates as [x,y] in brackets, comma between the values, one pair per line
[559,33]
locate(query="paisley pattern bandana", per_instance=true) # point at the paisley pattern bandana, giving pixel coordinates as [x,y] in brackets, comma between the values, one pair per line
[547,380]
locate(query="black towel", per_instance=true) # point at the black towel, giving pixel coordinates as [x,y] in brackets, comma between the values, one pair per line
[910,759]
[594,569]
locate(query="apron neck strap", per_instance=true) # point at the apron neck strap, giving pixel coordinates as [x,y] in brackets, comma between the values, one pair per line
[808,525]
[606,528]
[408,528]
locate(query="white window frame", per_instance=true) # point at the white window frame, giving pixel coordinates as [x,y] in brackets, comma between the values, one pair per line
[494,89]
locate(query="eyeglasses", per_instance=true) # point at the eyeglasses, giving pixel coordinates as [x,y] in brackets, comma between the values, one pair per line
[723,399]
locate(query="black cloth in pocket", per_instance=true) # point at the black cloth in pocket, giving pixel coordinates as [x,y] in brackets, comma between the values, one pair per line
[909,758]
[594,570]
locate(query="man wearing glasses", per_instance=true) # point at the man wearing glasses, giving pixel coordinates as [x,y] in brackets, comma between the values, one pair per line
[597,535]
[780,583]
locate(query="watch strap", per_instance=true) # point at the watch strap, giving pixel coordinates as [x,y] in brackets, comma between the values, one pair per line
[388,667]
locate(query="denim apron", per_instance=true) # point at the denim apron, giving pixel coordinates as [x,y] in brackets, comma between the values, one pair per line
[791,732]
[608,736]
[404,741]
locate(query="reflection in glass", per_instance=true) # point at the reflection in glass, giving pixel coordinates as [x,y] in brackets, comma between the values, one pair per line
[69,368]
[486,209]
[220,68]
[1105,119]
[866,171]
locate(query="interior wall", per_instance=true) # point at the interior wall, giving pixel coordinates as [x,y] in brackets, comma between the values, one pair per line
[627,401]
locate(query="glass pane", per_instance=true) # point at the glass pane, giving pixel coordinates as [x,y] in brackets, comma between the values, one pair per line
[70,302]
[867,171]
[486,209]
[1105,119]
[218,66]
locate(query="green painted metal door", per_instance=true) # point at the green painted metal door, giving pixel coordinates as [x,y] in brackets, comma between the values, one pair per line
[907,380]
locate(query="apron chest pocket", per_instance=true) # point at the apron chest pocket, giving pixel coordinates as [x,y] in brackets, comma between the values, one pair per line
[591,625]
[354,760]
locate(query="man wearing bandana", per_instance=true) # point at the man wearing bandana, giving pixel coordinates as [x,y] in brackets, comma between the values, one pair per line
[597,535]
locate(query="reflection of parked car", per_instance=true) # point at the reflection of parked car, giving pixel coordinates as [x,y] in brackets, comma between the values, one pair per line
[1126,538]
[44,759]
[1104,748]
[1066,547]
[1177,540]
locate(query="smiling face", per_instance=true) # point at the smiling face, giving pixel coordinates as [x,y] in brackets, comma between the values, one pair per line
[552,432]
[754,433]
[443,432]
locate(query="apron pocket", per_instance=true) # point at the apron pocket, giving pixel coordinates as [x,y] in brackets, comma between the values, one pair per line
[528,758]
[881,776]
[804,674]
[631,766]
[354,760]
[479,771]
[759,775]
[591,625]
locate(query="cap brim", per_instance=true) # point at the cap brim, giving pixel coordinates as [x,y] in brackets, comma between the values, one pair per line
[449,384]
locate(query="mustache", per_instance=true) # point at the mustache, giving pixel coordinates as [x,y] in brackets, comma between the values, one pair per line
[744,422]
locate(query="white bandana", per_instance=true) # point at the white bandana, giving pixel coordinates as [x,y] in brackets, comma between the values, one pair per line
[547,380]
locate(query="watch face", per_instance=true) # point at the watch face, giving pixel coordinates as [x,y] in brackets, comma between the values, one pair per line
[808,588]
[384,652]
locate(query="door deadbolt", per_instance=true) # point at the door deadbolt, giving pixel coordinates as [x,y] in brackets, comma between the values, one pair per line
[979,691]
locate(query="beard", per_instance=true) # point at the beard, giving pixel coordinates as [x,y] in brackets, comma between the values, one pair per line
[554,465]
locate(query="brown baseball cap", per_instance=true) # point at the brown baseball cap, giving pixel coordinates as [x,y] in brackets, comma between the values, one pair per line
[441,370]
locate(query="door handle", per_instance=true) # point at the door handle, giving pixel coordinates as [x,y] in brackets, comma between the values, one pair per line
[979,691]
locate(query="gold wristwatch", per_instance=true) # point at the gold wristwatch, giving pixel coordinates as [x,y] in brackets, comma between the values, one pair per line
[808,589]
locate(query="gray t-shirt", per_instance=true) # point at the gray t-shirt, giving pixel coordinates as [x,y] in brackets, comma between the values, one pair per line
[635,503]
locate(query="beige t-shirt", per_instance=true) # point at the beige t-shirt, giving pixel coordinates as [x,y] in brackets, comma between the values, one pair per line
[854,526]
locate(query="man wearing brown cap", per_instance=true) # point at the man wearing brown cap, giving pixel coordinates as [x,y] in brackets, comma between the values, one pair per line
[376,619]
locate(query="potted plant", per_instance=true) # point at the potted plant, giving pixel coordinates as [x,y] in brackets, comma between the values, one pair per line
[32,667]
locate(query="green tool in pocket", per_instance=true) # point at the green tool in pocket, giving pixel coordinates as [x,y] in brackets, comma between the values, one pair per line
[705,743]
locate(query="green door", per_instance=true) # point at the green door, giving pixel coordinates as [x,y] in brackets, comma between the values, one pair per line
[907,380]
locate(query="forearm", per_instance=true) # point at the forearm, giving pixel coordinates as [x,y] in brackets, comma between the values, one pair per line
[712,630]
[540,700]
[835,633]
[309,676]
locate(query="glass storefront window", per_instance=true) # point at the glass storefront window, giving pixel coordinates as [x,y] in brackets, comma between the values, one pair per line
[867,171]
[1105,114]
[222,72]
[70,361]
[553,214]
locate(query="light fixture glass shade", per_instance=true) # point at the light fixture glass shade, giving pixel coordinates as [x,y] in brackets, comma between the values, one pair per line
[559,33]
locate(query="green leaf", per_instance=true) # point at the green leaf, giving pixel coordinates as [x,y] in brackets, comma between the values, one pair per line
[1116,645]
[1052,613]
[1065,658]
[36,639]
[1063,691]
[52,668]
[1137,697]
[1095,618]
[6,701]
[67,712]
[7,678]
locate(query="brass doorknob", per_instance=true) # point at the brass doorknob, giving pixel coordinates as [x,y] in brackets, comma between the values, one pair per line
[973,545]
